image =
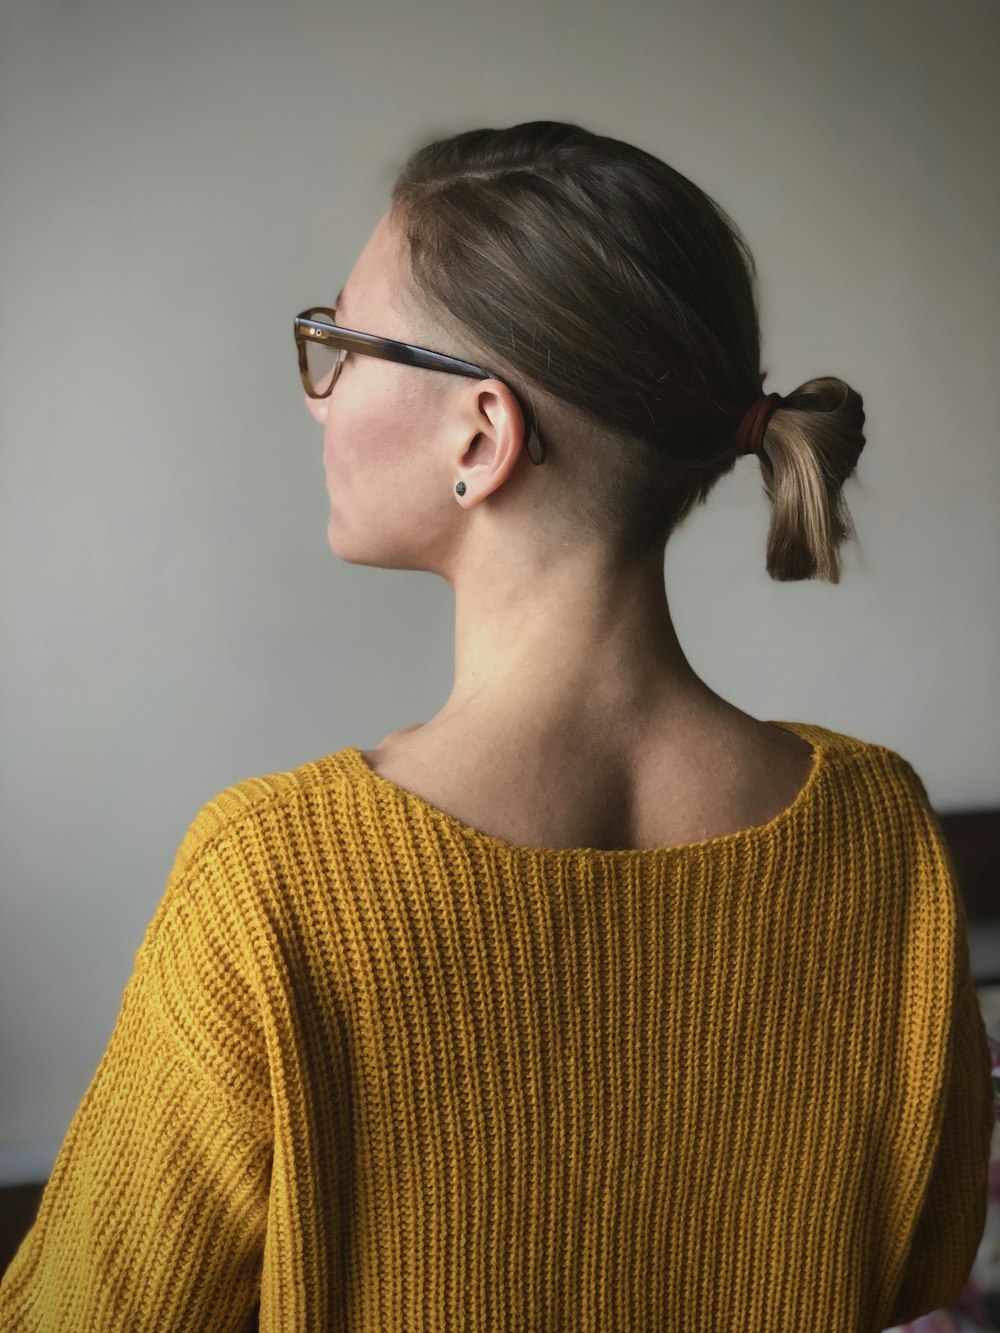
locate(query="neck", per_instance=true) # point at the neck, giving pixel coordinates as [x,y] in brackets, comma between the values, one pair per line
[578,644]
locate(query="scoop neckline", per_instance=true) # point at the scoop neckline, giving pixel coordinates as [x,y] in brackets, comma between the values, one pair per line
[806,731]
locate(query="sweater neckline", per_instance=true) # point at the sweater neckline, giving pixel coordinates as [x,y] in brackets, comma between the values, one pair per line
[757,832]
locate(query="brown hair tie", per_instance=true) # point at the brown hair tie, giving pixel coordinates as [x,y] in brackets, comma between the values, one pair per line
[750,435]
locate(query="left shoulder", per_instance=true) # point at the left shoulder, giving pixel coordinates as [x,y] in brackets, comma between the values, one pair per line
[394,735]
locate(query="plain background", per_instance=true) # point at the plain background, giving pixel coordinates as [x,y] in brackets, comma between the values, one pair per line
[179,180]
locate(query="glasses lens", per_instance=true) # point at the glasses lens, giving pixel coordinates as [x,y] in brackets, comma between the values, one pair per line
[322,362]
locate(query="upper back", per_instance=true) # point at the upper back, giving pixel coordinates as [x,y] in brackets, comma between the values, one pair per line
[727,773]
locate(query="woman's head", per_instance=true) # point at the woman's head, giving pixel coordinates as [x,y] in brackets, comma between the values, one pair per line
[617,298]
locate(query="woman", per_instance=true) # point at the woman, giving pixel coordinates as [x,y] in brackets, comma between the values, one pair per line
[593,1001]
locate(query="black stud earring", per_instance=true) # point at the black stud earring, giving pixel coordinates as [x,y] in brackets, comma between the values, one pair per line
[460,488]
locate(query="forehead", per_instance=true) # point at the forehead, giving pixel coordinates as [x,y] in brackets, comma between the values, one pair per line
[372,278]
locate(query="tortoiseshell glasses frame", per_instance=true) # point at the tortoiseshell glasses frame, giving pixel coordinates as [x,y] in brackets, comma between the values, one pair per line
[316,324]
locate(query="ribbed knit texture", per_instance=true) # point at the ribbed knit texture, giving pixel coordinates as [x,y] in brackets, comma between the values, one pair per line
[377,1071]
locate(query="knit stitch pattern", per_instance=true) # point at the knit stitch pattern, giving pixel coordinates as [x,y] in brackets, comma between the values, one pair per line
[375,1070]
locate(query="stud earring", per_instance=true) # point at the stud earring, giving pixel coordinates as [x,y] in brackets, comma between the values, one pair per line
[460,488]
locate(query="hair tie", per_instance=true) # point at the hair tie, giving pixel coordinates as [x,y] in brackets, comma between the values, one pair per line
[750,435]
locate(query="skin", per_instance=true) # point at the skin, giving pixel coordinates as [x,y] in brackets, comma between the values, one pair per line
[574,716]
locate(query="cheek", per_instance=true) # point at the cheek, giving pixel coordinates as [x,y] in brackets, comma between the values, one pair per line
[347,421]
[368,434]
[378,415]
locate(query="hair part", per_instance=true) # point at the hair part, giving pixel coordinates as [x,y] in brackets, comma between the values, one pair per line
[618,298]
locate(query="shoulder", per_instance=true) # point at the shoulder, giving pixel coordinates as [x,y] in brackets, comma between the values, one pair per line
[269,798]
[878,789]
[842,746]
[394,735]
[252,845]
[256,847]
[894,773]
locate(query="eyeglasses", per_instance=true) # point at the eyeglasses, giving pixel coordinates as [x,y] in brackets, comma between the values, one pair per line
[322,346]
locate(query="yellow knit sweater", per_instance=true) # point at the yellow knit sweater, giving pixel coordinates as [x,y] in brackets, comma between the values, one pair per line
[377,1071]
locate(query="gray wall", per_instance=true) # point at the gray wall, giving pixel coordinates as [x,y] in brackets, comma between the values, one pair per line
[178,180]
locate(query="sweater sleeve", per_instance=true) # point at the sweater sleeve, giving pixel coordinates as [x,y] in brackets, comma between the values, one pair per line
[952,1217]
[953,1214]
[155,1213]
